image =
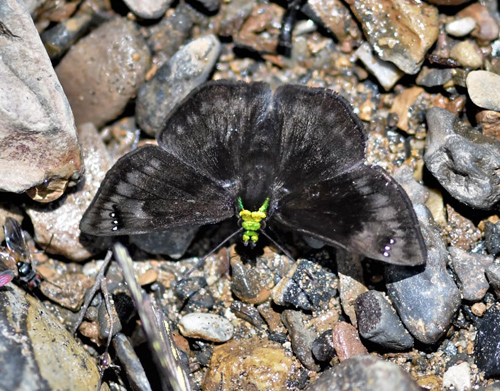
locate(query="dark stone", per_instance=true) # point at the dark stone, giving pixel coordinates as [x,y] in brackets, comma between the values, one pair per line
[322,347]
[492,237]
[487,346]
[493,274]
[465,162]
[364,373]
[379,323]
[433,77]
[425,297]
[247,312]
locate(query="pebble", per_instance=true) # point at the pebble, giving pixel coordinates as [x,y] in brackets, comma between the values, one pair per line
[173,243]
[458,376]
[467,54]
[487,344]
[42,355]
[386,72]
[379,323]
[208,327]
[399,31]
[35,115]
[345,339]
[464,163]
[470,269]
[433,77]
[148,9]
[302,337]
[232,16]
[322,347]
[350,289]
[490,123]
[306,286]
[250,364]
[487,26]
[426,297]
[57,229]
[103,71]
[493,275]
[250,284]
[248,313]
[364,373]
[483,88]
[404,106]
[460,27]
[461,231]
[186,70]
[132,365]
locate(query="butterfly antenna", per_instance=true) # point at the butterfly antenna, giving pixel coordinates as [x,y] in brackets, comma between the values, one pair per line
[90,295]
[281,248]
[201,262]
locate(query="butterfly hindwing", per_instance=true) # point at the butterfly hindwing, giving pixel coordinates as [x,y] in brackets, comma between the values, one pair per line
[149,189]
[363,210]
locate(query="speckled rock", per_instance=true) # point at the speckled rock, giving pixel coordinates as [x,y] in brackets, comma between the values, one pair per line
[470,269]
[187,69]
[484,89]
[57,229]
[209,327]
[425,297]
[379,323]
[39,149]
[42,355]
[364,373]
[399,31]
[487,344]
[103,71]
[345,339]
[463,161]
[252,364]
[458,376]
[490,123]
[148,9]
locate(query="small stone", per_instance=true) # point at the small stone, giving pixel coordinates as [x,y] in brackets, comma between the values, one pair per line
[493,274]
[148,9]
[486,25]
[386,72]
[103,71]
[460,27]
[487,344]
[433,77]
[350,289]
[490,123]
[35,116]
[470,269]
[364,373]
[464,162]
[379,323]
[250,285]
[404,104]
[467,54]
[248,313]
[458,376]
[252,364]
[209,327]
[302,337]
[346,341]
[232,16]
[187,69]
[462,232]
[399,31]
[322,347]
[484,89]
[478,309]
[425,297]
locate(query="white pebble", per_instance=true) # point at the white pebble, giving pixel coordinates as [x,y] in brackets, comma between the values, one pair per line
[461,27]
[208,327]
[458,376]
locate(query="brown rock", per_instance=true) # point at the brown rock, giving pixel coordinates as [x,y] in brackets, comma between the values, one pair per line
[252,364]
[39,147]
[490,121]
[400,31]
[103,71]
[487,27]
[346,341]
[403,104]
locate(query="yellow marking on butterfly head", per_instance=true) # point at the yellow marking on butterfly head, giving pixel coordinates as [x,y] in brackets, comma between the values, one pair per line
[251,221]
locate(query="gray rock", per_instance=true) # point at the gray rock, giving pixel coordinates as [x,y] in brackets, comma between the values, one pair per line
[57,228]
[148,9]
[38,353]
[434,77]
[379,323]
[487,343]
[492,237]
[302,337]
[425,297]
[493,275]
[39,148]
[470,269]
[484,89]
[103,71]
[364,373]
[417,192]
[173,243]
[465,163]
[187,69]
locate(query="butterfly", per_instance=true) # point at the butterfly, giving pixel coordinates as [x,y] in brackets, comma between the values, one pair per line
[293,157]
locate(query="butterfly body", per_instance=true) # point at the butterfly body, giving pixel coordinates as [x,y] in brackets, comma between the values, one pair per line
[231,147]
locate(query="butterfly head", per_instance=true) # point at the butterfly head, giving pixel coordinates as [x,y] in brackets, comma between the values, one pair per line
[251,222]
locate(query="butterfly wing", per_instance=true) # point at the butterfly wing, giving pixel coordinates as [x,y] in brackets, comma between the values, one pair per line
[363,210]
[149,189]
[156,328]
[224,122]
[321,137]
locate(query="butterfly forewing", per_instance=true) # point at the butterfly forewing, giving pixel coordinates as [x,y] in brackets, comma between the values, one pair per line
[148,190]
[363,210]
